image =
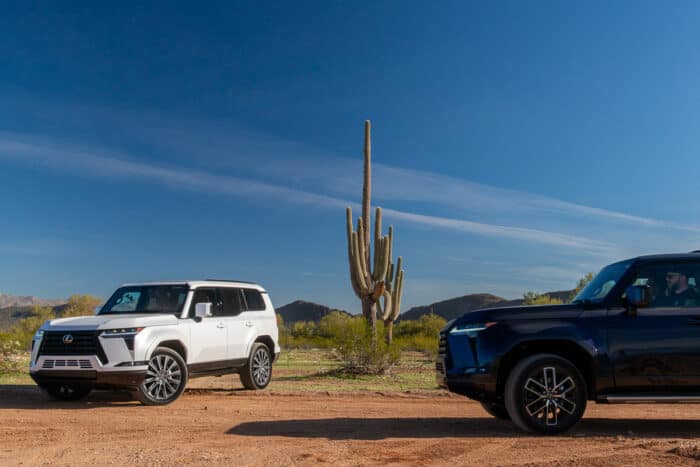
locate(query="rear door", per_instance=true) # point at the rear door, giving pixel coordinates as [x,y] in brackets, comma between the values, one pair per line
[240,328]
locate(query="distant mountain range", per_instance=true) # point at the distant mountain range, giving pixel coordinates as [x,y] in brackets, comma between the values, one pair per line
[7,301]
[13,308]
[456,307]
[304,311]
[448,309]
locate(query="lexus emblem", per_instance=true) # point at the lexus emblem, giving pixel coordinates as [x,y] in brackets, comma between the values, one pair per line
[67,339]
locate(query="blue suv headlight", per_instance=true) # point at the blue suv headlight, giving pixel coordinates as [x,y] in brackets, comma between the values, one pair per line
[470,329]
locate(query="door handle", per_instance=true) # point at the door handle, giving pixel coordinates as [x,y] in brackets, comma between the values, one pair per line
[248,323]
[221,325]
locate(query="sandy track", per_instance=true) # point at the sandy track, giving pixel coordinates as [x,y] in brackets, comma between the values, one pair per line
[244,428]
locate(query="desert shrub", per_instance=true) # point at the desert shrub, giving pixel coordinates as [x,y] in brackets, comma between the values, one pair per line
[81,305]
[25,328]
[425,344]
[10,350]
[361,350]
[421,335]
[534,298]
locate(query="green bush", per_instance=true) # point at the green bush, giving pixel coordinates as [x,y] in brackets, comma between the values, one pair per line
[362,351]
[421,335]
[334,329]
[10,349]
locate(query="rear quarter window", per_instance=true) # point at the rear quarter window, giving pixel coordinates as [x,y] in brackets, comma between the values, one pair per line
[254,300]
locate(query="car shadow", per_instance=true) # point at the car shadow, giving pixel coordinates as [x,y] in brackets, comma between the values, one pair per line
[31,397]
[382,428]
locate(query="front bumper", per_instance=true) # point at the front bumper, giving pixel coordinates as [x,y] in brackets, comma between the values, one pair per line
[100,380]
[85,370]
[458,369]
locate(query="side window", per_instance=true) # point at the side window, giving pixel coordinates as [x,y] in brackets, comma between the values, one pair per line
[254,300]
[205,296]
[672,284]
[232,301]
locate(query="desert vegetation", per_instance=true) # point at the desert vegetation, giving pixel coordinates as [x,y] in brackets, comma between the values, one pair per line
[349,340]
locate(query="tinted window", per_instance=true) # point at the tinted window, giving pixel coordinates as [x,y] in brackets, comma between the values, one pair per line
[205,296]
[146,299]
[232,301]
[254,300]
[672,284]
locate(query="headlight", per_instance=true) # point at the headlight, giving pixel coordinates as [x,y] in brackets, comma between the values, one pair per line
[470,329]
[121,332]
[39,334]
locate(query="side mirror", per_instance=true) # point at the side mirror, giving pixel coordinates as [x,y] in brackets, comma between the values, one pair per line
[97,310]
[638,296]
[202,310]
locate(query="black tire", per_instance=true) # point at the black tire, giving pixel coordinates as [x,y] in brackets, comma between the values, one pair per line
[257,372]
[66,392]
[545,394]
[496,409]
[165,379]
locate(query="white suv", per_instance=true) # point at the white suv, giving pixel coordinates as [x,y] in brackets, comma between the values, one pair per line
[152,337]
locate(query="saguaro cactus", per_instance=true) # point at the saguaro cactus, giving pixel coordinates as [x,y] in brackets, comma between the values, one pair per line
[379,280]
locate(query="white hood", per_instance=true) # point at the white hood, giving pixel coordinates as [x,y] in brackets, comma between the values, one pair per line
[88,323]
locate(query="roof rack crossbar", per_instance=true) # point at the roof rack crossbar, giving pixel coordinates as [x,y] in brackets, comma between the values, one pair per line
[230,280]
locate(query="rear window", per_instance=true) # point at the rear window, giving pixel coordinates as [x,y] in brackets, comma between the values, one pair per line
[254,300]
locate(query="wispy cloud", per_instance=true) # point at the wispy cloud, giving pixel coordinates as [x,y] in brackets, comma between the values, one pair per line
[62,156]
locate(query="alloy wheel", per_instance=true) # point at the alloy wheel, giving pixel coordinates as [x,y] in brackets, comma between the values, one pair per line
[549,396]
[261,366]
[163,377]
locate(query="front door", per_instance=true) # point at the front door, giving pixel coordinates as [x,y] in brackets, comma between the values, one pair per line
[208,337]
[657,349]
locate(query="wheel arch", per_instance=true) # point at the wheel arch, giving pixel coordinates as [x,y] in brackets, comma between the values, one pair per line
[564,348]
[172,344]
[267,340]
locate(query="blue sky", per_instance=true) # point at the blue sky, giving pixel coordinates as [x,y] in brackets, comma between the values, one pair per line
[516,145]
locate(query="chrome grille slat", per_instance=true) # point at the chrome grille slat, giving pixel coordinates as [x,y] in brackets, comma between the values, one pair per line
[66,363]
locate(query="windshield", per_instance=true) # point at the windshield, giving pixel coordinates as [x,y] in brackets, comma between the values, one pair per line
[601,284]
[146,299]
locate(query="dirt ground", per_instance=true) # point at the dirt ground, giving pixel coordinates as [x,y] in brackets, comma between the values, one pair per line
[210,426]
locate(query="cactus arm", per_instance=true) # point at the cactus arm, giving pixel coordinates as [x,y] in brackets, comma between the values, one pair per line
[398,290]
[375,264]
[386,257]
[378,224]
[361,251]
[390,277]
[377,240]
[358,264]
[351,254]
[388,306]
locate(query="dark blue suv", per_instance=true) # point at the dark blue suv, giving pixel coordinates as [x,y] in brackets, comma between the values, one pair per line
[631,335]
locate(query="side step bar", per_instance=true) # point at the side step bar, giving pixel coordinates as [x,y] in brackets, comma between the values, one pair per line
[649,399]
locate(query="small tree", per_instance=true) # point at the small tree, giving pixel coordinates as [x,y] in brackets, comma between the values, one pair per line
[81,305]
[583,282]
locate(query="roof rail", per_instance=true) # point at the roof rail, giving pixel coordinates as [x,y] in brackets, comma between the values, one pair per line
[230,280]
[695,251]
